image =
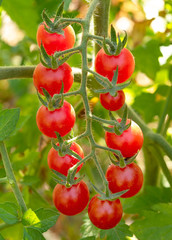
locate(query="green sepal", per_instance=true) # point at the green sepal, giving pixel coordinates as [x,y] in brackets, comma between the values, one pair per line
[119,46]
[114,161]
[42,100]
[131,159]
[113,35]
[45,58]
[46,94]
[59,175]
[74,154]
[113,196]
[59,13]
[46,19]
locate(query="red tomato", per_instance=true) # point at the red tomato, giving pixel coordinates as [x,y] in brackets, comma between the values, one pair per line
[62,164]
[129,177]
[73,200]
[51,79]
[53,42]
[104,214]
[106,64]
[129,142]
[112,103]
[60,120]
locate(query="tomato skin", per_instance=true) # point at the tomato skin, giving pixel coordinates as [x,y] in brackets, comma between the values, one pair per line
[112,103]
[104,214]
[129,177]
[53,42]
[129,142]
[106,64]
[51,79]
[62,164]
[60,120]
[73,200]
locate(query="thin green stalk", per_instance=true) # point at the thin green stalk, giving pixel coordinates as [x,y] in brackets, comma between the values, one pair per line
[4,180]
[166,126]
[16,72]
[101,20]
[11,178]
[164,113]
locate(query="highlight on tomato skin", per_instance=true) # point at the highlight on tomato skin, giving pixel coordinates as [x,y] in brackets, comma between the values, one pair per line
[128,178]
[129,142]
[73,200]
[112,103]
[104,214]
[54,42]
[51,79]
[60,120]
[62,164]
[105,64]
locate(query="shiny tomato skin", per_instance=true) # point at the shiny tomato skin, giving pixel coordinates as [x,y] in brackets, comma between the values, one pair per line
[62,164]
[73,200]
[104,214]
[129,142]
[106,64]
[112,103]
[53,42]
[51,79]
[60,120]
[129,177]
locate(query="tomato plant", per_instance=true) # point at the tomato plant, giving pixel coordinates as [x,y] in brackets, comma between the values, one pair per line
[73,200]
[104,214]
[51,79]
[128,178]
[60,120]
[129,142]
[112,103]
[63,163]
[106,64]
[53,42]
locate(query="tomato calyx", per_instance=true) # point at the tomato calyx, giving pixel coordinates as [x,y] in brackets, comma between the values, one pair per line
[110,87]
[54,102]
[119,126]
[115,45]
[52,25]
[108,195]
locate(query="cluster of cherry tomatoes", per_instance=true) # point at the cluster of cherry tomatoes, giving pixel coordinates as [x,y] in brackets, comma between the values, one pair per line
[72,200]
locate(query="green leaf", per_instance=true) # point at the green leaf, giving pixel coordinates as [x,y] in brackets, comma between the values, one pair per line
[48,218]
[88,238]
[88,229]
[30,180]
[32,234]
[8,121]
[156,224]
[1,237]
[120,232]
[146,57]
[9,212]
[152,195]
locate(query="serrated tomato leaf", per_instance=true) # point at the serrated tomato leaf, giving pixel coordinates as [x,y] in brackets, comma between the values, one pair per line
[32,234]
[156,223]
[8,121]
[9,212]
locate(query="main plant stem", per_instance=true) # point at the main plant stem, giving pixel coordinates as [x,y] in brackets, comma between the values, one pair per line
[11,178]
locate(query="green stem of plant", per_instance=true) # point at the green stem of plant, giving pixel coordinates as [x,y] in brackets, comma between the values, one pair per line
[164,113]
[16,72]
[4,180]
[101,20]
[11,178]
[166,126]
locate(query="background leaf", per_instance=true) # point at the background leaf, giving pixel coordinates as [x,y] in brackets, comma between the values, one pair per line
[9,212]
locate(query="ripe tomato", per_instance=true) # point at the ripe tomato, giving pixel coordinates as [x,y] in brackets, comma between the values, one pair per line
[112,103]
[62,164]
[104,214]
[51,79]
[106,64]
[129,177]
[53,42]
[60,120]
[129,142]
[73,200]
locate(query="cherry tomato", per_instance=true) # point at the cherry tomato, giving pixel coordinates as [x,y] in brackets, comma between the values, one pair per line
[129,177]
[106,64]
[53,42]
[51,79]
[129,142]
[62,164]
[112,103]
[60,120]
[104,214]
[73,200]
